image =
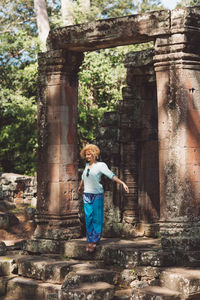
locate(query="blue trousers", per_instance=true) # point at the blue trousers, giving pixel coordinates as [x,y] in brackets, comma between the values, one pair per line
[93,207]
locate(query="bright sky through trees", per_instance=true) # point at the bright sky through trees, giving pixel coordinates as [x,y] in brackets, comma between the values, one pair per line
[170,4]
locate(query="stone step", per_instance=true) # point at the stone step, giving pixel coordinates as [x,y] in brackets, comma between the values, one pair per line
[3,284]
[155,292]
[9,263]
[7,266]
[29,289]
[51,269]
[8,298]
[15,245]
[75,278]
[124,253]
[97,275]
[93,291]
[144,251]
[122,294]
[54,271]
[44,268]
[183,280]
[17,287]
[42,246]
[85,265]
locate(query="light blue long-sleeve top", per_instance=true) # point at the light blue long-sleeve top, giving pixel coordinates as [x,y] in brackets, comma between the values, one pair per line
[92,183]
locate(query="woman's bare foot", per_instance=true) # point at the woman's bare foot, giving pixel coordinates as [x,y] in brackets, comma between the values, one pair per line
[88,247]
[92,247]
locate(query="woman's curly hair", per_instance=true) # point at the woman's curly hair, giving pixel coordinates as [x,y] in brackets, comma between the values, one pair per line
[94,150]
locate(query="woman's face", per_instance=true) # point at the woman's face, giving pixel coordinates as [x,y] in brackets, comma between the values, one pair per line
[89,156]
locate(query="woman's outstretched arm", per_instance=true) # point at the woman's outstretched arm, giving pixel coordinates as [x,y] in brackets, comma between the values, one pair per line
[115,178]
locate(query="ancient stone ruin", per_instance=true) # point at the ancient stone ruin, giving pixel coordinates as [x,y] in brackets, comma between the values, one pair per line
[152,235]
[158,140]
[17,206]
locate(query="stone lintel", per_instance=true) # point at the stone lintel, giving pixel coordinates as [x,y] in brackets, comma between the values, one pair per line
[127,30]
[111,32]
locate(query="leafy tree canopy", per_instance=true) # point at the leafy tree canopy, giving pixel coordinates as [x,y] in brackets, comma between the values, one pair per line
[183,3]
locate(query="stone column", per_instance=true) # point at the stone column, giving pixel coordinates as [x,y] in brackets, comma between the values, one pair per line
[57,207]
[177,66]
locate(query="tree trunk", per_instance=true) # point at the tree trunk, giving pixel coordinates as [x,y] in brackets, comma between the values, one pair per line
[42,20]
[67,12]
[87,4]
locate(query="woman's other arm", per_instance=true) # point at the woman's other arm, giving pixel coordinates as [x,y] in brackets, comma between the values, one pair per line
[80,188]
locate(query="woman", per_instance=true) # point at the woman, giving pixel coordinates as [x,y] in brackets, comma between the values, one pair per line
[93,193]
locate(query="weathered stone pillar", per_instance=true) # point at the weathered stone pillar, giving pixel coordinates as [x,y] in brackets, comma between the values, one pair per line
[57,208]
[177,66]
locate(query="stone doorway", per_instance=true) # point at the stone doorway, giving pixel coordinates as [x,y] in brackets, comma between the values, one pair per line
[177,65]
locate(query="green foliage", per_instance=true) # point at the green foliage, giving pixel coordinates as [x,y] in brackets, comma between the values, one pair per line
[183,3]
[18,75]
[18,122]
[101,79]
[18,41]
[112,9]
[102,9]
[99,90]
[149,5]
[102,75]
[134,273]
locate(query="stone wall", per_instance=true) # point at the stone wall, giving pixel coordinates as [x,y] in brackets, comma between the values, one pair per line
[15,188]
